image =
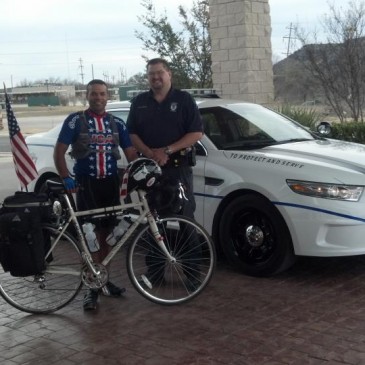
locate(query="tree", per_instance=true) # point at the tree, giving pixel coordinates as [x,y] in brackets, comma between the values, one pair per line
[339,64]
[187,50]
[140,80]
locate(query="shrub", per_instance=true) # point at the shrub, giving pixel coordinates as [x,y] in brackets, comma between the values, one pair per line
[349,131]
[304,116]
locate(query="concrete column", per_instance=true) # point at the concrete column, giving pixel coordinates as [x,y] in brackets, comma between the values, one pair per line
[240,32]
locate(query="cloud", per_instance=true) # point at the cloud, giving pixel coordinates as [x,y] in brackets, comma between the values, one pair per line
[53,38]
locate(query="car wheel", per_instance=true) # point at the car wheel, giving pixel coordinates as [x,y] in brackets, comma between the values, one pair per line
[254,236]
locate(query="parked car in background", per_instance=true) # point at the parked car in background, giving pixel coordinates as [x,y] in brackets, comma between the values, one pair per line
[267,189]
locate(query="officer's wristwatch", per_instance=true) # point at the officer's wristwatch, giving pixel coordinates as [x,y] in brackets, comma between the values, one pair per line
[168,150]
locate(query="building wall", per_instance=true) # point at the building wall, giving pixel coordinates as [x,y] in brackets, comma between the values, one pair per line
[240,31]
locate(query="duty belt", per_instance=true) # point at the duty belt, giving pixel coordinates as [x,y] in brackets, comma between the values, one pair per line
[178,159]
[184,157]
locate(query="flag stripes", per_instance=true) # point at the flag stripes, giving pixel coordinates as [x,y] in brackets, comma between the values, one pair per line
[24,165]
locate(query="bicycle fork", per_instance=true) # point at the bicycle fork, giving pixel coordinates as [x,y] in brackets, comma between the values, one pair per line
[158,238]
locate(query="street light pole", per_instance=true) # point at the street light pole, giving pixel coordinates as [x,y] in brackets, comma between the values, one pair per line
[47,92]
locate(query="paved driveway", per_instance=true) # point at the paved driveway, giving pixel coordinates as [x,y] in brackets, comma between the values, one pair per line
[311,314]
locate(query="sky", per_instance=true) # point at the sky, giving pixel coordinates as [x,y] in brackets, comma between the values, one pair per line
[84,39]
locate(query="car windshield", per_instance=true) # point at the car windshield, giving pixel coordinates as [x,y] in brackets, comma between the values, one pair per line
[248,126]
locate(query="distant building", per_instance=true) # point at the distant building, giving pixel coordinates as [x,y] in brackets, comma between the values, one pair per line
[48,94]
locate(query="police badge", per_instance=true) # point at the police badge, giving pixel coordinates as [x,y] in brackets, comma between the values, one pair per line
[173,107]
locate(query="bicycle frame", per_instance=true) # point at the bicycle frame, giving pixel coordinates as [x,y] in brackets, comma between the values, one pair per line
[73,218]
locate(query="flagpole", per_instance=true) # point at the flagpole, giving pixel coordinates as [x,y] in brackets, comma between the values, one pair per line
[1,114]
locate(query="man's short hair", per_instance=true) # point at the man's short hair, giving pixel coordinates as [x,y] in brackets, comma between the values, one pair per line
[155,61]
[95,82]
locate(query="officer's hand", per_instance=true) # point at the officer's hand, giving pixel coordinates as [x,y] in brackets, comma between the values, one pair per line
[160,156]
[69,184]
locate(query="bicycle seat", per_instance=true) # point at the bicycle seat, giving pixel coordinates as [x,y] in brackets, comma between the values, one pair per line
[55,187]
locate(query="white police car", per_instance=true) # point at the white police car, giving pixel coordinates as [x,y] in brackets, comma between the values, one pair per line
[267,189]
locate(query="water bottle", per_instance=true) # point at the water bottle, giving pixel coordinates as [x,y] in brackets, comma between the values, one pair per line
[90,236]
[118,231]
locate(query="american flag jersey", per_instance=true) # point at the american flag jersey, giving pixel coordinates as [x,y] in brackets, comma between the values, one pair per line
[101,162]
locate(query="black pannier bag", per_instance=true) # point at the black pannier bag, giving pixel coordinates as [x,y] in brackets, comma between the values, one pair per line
[22,243]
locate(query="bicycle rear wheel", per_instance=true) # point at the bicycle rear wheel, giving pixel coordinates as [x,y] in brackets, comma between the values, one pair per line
[55,287]
[177,280]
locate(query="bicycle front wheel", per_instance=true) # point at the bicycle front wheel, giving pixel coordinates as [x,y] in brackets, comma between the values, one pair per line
[52,289]
[180,277]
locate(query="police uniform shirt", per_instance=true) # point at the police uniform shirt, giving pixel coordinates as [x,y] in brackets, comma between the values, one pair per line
[98,164]
[161,124]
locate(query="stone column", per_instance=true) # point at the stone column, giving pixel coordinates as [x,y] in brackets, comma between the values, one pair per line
[240,31]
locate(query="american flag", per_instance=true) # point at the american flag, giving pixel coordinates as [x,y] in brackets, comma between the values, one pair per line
[24,165]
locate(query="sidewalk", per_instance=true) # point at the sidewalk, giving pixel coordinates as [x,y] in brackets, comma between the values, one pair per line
[312,314]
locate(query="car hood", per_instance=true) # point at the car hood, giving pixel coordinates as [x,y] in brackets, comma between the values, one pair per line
[346,154]
[311,157]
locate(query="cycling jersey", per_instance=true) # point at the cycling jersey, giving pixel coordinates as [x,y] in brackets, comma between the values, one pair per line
[100,163]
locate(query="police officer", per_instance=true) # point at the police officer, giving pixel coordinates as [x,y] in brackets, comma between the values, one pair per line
[164,124]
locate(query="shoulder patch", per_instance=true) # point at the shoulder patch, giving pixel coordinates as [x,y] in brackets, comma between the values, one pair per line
[72,122]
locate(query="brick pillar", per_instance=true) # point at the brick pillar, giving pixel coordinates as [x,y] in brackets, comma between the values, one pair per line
[240,31]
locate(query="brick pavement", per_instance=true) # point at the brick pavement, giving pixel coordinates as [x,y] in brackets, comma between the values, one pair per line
[311,314]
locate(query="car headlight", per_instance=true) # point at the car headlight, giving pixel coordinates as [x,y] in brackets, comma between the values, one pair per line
[327,191]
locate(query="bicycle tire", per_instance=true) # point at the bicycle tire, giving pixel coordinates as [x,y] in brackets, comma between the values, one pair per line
[46,292]
[167,282]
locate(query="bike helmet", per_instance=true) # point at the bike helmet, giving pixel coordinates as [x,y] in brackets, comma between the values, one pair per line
[141,173]
[167,196]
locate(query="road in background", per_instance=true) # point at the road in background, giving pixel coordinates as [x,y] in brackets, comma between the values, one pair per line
[28,125]
[8,180]
[4,143]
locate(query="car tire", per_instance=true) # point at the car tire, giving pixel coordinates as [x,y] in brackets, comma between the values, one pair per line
[254,236]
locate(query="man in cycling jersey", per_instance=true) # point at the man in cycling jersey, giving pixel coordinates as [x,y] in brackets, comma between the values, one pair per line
[94,136]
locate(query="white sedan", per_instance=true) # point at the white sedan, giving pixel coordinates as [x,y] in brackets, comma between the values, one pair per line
[266,188]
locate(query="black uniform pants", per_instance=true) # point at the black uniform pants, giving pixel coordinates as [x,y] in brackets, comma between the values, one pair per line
[155,260]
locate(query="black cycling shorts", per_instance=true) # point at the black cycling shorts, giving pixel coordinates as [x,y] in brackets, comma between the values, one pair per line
[98,193]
